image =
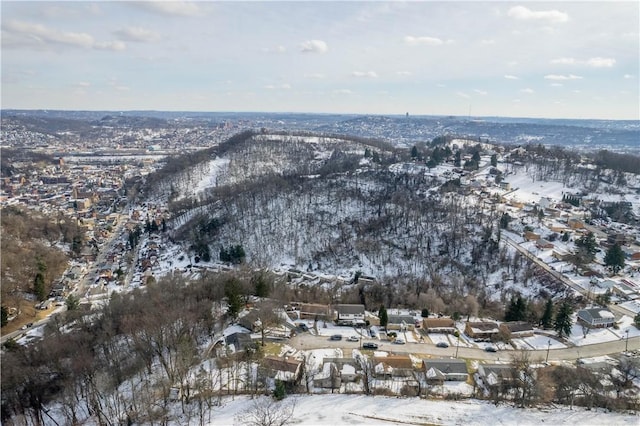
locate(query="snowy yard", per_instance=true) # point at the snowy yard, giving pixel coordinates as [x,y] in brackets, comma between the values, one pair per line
[367,410]
[538,342]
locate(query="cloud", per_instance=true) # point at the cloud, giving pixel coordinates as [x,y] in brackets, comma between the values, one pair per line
[404,73]
[283,86]
[316,76]
[592,62]
[137,34]
[115,46]
[528,91]
[276,49]
[628,76]
[601,62]
[481,92]
[34,35]
[84,84]
[524,14]
[564,61]
[425,41]
[562,77]
[364,74]
[487,42]
[314,46]
[556,85]
[342,92]
[511,77]
[171,8]
[18,34]
[463,95]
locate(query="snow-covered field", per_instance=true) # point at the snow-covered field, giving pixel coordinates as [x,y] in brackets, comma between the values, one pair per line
[368,410]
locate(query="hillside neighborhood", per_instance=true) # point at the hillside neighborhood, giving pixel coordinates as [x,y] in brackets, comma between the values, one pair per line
[305,345]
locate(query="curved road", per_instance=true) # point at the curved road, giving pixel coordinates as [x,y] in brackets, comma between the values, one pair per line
[307,341]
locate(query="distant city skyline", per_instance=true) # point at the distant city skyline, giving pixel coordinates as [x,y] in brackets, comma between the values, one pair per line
[512,59]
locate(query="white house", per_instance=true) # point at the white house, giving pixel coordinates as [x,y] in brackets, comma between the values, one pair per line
[596,317]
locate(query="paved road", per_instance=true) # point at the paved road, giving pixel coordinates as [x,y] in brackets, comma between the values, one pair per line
[84,284]
[308,341]
[616,309]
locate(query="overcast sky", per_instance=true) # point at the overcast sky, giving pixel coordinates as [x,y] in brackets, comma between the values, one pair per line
[524,59]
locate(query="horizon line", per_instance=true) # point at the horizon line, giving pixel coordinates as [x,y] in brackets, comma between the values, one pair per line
[405,114]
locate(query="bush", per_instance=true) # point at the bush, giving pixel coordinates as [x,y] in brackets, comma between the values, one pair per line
[279,392]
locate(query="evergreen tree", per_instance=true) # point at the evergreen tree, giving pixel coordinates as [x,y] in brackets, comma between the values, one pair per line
[504,220]
[494,160]
[458,159]
[414,152]
[587,247]
[234,298]
[5,316]
[517,309]
[614,259]
[425,313]
[547,317]
[39,287]
[562,324]
[384,317]
[72,302]
[279,393]
[636,320]
[476,157]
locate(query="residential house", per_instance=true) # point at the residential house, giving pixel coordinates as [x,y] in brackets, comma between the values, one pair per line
[543,244]
[314,311]
[442,370]
[626,291]
[401,322]
[495,375]
[575,223]
[386,367]
[335,372]
[349,314]
[560,254]
[484,330]
[240,341]
[439,325]
[531,236]
[516,329]
[285,369]
[328,378]
[596,317]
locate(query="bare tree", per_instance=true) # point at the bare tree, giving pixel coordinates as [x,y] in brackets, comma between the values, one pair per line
[266,411]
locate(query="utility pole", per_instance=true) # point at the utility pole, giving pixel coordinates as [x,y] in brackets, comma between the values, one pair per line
[457,345]
[626,343]
[548,348]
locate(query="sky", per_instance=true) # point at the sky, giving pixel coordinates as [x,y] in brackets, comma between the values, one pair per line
[515,59]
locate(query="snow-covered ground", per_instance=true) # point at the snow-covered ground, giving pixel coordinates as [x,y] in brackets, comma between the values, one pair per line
[368,410]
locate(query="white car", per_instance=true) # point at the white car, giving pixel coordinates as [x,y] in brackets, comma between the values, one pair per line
[399,341]
[352,339]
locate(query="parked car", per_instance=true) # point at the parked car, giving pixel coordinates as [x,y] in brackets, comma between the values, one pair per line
[369,345]
[442,344]
[490,349]
[399,341]
[352,339]
[336,337]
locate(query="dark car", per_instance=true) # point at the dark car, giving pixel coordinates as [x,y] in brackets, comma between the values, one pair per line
[442,345]
[369,345]
[336,337]
[490,349]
